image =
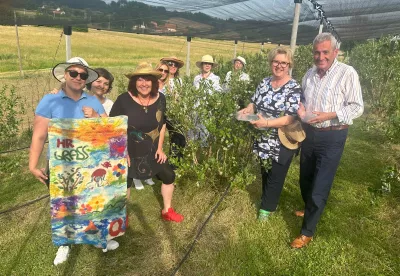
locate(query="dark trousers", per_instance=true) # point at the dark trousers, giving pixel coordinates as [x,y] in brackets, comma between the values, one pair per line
[320,156]
[177,141]
[274,178]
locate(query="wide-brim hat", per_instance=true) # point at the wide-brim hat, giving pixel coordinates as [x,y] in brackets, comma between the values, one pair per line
[144,69]
[208,59]
[292,135]
[174,59]
[59,70]
[241,59]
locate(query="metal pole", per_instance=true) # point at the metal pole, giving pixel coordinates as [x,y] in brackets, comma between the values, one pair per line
[19,49]
[295,25]
[234,52]
[321,26]
[188,39]
[68,33]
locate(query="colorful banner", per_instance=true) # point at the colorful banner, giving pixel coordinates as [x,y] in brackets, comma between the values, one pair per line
[88,170]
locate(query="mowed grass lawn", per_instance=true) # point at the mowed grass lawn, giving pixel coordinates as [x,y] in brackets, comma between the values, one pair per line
[354,237]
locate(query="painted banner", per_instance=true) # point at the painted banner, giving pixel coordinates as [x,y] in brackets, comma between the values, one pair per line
[88,170]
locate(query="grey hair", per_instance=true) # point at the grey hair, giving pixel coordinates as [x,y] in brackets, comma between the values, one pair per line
[326,37]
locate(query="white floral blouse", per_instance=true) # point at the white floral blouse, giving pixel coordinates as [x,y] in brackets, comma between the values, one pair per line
[274,103]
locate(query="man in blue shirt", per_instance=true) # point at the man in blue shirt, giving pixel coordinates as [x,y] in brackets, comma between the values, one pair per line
[70,102]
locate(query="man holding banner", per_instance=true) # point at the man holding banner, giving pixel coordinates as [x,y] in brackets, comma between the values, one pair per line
[76,175]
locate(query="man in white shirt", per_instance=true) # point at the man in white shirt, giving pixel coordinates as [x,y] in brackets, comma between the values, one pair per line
[332,99]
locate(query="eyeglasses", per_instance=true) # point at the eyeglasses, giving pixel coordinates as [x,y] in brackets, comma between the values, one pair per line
[172,64]
[207,63]
[163,70]
[284,64]
[74,74]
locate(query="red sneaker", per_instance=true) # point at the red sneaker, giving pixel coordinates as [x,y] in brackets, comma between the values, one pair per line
[171,215]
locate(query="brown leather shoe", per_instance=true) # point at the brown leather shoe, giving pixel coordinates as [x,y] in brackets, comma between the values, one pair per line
[299,213]
[301,241]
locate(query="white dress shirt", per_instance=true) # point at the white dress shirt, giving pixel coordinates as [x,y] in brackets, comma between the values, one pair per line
[339,91]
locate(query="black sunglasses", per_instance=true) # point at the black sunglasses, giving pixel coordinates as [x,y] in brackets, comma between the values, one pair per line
[173,64]
[163,70]
[74,74]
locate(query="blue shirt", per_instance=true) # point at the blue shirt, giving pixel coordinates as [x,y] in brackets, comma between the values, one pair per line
[61,106]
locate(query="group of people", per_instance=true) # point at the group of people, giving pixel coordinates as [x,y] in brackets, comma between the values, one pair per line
[326,102]
[212,81]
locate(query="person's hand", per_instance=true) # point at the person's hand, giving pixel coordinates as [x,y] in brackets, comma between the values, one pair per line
[246,110]
[40,174]
[260,123]
[321,117]
[54,91]
[160,156]
[301,112]
[128,159]
[89,112]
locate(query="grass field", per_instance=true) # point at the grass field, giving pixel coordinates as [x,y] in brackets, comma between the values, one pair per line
[42,48]
[353,237]
[104,48]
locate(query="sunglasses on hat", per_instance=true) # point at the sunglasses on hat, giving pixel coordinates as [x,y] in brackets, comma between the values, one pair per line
[74,74]
[172,64]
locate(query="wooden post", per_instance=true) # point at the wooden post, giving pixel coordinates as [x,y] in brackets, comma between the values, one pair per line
[188,39]
[262,47]
[234,52]
[19,49]
[295,24]
[68,33]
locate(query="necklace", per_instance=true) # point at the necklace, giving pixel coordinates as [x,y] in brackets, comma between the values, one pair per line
[145,107]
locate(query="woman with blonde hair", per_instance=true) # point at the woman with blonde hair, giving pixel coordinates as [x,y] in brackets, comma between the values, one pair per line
[276,101]
[164,81]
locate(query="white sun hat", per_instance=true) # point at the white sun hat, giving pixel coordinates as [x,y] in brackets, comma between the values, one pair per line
[207,59]
[241,59]
[59,69]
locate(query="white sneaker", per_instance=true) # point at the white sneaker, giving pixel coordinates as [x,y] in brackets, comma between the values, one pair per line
[62,254]
[111,245]
[138,184]
[149,181]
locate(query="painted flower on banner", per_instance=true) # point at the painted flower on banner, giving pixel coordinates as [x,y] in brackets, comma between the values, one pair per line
[85,208]
[97,202]
[119,170]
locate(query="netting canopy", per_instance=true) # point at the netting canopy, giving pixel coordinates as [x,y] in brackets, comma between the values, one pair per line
[271,20]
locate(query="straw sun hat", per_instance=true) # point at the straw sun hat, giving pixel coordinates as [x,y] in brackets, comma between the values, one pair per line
[292,135]
[241,59]
[208,59]
[174,59]
[59,69]
[144,69]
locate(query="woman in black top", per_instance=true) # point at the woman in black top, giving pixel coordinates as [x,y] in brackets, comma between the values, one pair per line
[145,108]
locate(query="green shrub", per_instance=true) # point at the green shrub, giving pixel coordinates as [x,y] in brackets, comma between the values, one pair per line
[10,109]
[378,65]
